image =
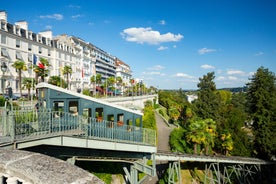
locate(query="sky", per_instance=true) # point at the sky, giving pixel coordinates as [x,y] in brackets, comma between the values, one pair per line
[169,44]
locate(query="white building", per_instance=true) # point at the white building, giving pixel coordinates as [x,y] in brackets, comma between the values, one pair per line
[17,42]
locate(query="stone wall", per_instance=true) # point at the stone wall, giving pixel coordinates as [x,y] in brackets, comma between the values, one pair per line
[34,168]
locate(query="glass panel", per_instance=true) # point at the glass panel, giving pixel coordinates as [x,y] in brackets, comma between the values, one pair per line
[99,114]
[58,106]
[73,108]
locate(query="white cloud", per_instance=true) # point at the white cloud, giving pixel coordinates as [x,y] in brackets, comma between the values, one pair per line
[147,35]
[207,66]
[183,75]
[232,78]
[220,78]
[156,67]
[162,22]
[76,16]
[235,72]
[74,6]
[48,27]
[259,53]
[174,46]
[53,16]
[162,48]
[153,73]
[205,50]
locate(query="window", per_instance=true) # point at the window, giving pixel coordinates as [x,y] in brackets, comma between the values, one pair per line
[39,50]
[30,58]
[29,46]
[17,43]
[3,25]
[18,56]
[58,106]
[49,52]
[5,53]
[3,39]
[73,107]
[99,114]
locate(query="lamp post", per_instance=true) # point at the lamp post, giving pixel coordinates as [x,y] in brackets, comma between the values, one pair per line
[4,68]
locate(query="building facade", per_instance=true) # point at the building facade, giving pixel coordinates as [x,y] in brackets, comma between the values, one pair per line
[17,42]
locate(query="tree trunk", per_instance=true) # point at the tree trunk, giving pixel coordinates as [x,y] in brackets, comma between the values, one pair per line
[195,148]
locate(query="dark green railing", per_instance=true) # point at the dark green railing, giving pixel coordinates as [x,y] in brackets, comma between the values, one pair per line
[19,125]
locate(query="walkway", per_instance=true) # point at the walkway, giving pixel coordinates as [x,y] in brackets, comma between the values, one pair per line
[163,133]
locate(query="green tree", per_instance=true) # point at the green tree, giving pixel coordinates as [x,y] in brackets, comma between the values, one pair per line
[227,143]
[98,79]
[41,69]
[57,81]
[67,71]
[261,98]
[208,103]
[28,83]
[195,133]
[20,66]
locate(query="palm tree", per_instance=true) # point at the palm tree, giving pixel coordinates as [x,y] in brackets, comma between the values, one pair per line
[98,79]
[110,82]
[41,69]
[28,83]
[57,81]
[210,133]
[119,82]
[67,70]
[227,143]
[20,66]
[195,133]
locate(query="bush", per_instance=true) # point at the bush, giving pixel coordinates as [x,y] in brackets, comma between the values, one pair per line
[2,101]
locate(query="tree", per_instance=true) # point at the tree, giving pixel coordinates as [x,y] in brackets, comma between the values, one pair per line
[57,81]
[28,83]
[208,103]
[20,66]
[67,70]
[195,133]
[261,98]
[98,79]
[41,69]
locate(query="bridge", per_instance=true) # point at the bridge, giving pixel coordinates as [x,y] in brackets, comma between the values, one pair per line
[76,127]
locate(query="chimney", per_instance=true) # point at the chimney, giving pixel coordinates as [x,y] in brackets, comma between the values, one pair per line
[3,15]
[22,24]
[47,34]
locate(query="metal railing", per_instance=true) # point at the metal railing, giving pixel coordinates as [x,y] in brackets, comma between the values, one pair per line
[25,124]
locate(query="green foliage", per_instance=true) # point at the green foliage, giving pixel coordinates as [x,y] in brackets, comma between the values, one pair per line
[149,118]
[86,91]
[2,101]
[178,142]
[201,132]
[208,103]
[175,102]
[261,98]
[57,81]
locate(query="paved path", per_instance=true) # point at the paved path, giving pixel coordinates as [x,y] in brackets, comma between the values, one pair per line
[163,131]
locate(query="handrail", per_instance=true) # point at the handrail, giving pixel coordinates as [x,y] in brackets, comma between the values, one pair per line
[21,125]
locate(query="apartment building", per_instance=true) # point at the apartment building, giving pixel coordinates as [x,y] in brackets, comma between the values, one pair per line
[17,42]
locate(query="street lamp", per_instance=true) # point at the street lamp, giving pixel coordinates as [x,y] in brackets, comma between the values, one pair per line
[4,68]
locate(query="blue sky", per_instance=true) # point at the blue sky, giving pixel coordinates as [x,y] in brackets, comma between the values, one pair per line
[168,44]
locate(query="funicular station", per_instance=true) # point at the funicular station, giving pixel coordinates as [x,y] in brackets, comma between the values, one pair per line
[75,127]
